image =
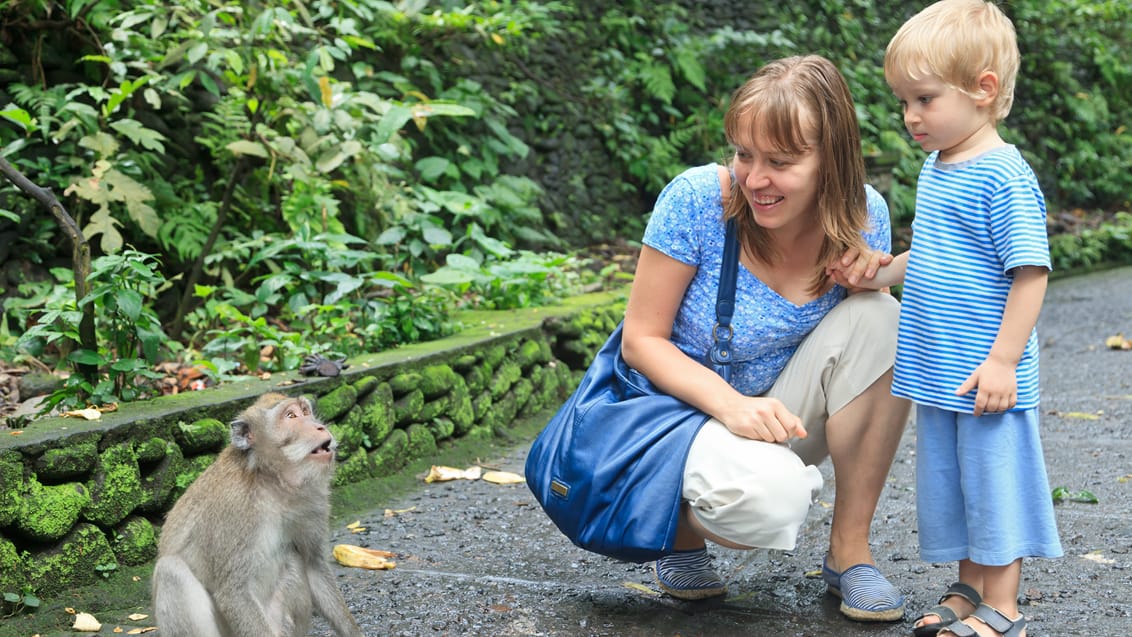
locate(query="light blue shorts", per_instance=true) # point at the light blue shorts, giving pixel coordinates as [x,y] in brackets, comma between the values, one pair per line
[981,488]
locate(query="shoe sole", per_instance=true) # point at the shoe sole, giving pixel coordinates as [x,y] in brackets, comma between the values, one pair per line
[692,594]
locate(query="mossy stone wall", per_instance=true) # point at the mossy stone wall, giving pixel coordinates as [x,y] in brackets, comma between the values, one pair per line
[78,498]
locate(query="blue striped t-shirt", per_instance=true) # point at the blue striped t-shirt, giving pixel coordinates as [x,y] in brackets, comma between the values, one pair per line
[975,221]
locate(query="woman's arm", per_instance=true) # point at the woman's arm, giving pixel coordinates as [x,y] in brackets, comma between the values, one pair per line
[658,289]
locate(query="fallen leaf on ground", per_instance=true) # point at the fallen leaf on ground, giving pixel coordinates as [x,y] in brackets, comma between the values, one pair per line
[443,474]
[359,557]
[640,587]
[503,477]
[1118,342]
[136,617]
[86,623]
[392,512]
[141,631]
[1095,556]
[1123,479]
[814,574]
[1079,415]
[90,413]
[356,526]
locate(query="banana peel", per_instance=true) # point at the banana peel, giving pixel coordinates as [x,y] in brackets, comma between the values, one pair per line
[359,557]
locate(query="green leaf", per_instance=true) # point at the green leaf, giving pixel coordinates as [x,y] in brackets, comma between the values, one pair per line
[245,147]
[129,303]
[449,276]
[85,357]
[431,168]
[139,134]
[18,116]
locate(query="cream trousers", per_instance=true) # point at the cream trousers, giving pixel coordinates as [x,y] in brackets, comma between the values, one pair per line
[758,494]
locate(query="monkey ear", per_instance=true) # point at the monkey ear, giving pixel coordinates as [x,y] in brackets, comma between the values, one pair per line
[241,433]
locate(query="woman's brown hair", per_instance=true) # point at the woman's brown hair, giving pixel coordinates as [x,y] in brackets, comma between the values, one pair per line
[793,103]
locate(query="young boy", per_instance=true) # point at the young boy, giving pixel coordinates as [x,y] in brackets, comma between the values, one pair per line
[974,280]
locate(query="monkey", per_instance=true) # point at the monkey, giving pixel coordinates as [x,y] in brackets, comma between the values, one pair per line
[241,553]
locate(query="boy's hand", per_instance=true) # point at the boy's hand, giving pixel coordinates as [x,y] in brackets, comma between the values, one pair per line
[997,387]
[856,266]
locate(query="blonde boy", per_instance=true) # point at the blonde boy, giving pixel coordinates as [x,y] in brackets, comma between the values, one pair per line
[967,352]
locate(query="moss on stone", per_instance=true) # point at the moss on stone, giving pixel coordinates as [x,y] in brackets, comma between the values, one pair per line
[421,442]
[390,456]
[522,392]
[12,575]
[47,513]
[339,401]
[115,486]
[442,428]
[134,541]
[350,439]
[506,375]
[462,412]
[356,468]
[365,385]
[437,380]
[433,408]
[202,436]
[530,352]
[152,450]
[62,464]
[377,414]
[494,355]
[476,378]
[481,406]
[464,362]
[407,408]
[405,382]
[160,482]
[11,485]
[74,561]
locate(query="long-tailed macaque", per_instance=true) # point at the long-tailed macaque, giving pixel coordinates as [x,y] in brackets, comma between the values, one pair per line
[243,551]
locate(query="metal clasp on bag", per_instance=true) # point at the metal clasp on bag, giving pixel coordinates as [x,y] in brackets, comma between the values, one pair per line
[560,488]
[721,348]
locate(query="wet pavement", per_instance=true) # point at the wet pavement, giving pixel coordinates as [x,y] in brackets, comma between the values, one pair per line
[476,558]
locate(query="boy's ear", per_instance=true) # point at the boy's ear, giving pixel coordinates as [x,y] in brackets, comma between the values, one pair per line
[987,84]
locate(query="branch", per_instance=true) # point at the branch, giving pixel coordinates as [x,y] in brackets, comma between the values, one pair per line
[80,259]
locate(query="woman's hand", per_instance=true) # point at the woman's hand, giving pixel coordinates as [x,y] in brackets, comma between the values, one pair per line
[760,418]
[857,266]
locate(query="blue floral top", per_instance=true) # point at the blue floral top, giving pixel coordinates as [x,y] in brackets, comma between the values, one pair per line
[687,225]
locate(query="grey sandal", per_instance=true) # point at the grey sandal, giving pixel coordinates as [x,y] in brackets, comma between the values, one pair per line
[946,615]
[992,617]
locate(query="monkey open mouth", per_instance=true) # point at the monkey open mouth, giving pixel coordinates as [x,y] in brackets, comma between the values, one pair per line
[324,448]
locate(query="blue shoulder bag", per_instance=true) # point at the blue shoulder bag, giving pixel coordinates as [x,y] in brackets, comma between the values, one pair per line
[609,466]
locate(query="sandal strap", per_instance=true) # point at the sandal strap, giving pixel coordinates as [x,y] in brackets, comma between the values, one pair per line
[959,629]
[959,589]
[998,621]
[945,613]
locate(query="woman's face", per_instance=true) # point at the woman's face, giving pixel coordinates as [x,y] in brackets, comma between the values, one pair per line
[781,188]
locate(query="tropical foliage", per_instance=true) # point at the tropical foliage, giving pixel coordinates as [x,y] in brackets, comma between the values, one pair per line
[261,181]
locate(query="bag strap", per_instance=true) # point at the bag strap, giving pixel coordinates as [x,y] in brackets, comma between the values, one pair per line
[725,301]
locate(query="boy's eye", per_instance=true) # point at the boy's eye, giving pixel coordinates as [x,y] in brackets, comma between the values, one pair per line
[925,99]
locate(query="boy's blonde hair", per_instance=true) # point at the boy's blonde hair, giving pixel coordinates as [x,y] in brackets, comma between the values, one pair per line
[956,41]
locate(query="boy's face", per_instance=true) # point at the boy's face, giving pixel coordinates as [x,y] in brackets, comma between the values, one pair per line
[942,118]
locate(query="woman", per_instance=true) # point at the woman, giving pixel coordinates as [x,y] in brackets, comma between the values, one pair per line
[812,364]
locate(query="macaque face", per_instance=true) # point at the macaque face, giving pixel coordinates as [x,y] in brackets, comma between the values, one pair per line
[300,436]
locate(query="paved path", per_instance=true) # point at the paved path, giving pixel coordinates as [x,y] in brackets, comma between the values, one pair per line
[481,559]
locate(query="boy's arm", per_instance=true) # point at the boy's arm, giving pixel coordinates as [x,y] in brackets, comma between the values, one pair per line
[864,270]
[995,377]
